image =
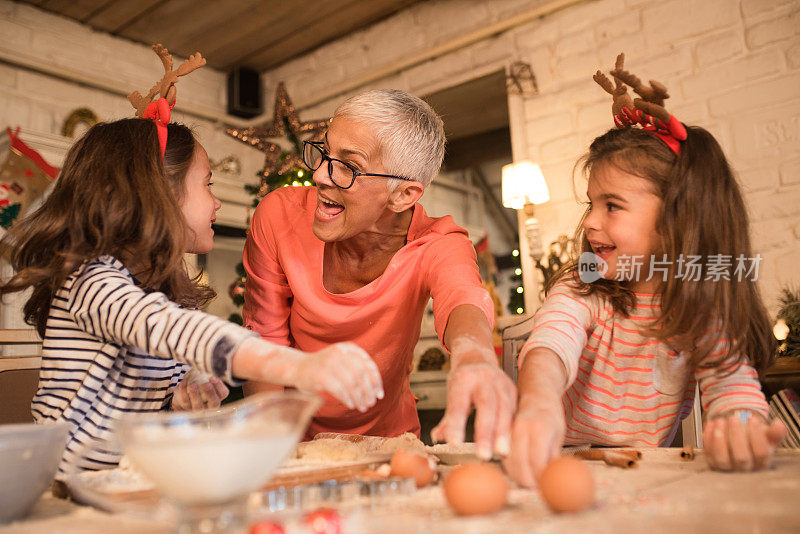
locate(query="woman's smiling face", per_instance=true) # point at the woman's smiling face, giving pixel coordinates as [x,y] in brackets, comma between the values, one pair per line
[622,222]
[344,213]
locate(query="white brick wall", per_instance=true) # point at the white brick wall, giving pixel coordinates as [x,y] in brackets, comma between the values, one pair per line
[732,66]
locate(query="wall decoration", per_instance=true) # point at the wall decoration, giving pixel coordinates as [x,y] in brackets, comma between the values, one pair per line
[520,80]
[76,117]
[558,254]
[280,165]
[787,327]
[24,175]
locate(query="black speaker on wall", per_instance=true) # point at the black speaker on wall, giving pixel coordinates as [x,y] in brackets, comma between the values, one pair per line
[244,93]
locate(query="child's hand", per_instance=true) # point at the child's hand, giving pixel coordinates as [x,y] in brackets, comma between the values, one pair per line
[536,438]
[192,396]
[345,371]
[730,445]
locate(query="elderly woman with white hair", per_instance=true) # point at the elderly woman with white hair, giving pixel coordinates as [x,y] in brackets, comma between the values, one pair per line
[356,259]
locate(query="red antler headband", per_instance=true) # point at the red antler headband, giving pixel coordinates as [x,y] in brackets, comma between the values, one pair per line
[647,111]
[160,110]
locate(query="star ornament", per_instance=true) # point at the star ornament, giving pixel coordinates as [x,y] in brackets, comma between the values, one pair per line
[285,121]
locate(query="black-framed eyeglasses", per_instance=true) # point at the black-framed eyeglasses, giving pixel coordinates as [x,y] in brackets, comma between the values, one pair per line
[342,174]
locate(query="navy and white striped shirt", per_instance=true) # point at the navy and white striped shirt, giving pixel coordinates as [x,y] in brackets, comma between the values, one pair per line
[110,348]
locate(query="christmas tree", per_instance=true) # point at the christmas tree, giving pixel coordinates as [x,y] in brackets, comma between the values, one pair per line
[282,167]
[271,179]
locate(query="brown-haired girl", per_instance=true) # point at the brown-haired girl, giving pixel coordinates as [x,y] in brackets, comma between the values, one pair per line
[663,297]
[115,306]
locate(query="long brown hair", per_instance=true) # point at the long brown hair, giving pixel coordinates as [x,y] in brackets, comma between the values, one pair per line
[114,196]
[702,214]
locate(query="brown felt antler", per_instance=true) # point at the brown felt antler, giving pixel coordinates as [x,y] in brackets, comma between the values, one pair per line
[646,112]
[655,93]
[652,109]
[165,87]
[619,93]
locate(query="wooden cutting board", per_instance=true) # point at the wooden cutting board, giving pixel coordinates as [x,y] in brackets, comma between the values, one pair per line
[300,474]
[312,474]
[371,443]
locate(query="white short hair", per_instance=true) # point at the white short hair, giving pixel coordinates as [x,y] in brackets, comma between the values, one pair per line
[411,134]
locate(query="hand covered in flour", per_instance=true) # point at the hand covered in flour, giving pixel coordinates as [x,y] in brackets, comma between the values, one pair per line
[741,441]
[198,392]
[344,370]
[536,438]
[476,379]
[539,426]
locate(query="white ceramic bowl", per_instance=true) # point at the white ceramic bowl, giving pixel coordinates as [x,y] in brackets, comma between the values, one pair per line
[29,457]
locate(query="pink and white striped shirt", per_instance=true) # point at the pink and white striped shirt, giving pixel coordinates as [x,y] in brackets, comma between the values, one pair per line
[624,388]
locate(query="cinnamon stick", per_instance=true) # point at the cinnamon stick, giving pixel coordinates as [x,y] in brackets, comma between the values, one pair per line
[633,454]
[599,454]
[591,454]
[619,460]
[625,459]
[687,453]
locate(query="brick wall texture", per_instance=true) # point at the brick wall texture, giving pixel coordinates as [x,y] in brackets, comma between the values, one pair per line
[732,66]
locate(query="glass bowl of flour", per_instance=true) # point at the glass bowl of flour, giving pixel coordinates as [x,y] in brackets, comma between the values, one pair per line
[208,462]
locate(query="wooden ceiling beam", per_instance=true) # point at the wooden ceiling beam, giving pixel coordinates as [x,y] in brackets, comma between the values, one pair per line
[332,24]
[117,15]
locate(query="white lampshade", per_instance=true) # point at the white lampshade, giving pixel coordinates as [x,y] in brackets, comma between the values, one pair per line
[523,183]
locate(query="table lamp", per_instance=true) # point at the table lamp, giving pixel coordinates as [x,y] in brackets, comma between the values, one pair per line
[523,187]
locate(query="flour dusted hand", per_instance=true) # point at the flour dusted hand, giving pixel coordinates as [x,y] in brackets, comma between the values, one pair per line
[536,438]
[344,370]
[475,379]
[198,392]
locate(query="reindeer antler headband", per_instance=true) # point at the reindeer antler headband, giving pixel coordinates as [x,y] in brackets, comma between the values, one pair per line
[160,110]
[647,111]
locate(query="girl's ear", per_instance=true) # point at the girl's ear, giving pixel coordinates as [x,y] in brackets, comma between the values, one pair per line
[405,196]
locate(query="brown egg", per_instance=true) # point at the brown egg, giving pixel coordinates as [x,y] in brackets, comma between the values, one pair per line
[567,485]
[407,464]
[476,489]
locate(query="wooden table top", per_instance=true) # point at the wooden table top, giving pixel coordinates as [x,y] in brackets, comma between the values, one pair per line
[663,494]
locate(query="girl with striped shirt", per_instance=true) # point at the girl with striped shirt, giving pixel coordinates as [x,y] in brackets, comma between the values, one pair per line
[628,330]
[116,308]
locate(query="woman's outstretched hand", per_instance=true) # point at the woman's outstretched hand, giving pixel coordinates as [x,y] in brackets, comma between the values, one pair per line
[731,445]
[494,396]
